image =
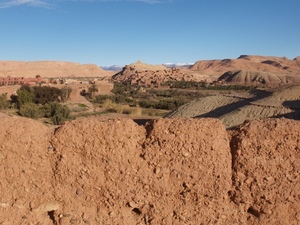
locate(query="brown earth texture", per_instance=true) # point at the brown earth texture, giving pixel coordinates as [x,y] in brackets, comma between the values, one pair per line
[170,171]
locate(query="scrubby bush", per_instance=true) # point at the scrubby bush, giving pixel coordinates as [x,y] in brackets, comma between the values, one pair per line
[46,94]
[108,104]
[167,104]
[24,96]
[92,90]
[146,104]
[57,112]
[30,110]
[101,98]
[4,104]
[136,111]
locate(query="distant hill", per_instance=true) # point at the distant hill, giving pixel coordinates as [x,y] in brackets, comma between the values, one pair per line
[247,69]
[271,64]
[50,69]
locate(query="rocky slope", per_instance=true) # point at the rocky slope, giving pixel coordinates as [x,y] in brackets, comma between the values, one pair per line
[234,109]
[253,70]
[96,171]
[50,69]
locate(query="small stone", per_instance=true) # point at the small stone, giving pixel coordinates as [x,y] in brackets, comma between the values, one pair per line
[156,170]
[86,221]
[46,207]
[133,204]
[79,191]
[185,154]
[75,221]
[112,214]
[270,179]
[266,209]
[2,156]
[20,204]
[248,181]
[4,205]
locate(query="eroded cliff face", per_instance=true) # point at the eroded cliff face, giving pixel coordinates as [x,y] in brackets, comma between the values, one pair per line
[171,171]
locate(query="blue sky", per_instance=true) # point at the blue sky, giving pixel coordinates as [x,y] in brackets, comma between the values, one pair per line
[108,32]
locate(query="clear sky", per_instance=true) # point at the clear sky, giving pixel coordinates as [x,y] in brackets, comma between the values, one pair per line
[108,32]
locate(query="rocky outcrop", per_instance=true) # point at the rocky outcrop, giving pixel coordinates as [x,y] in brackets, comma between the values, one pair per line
[171,171]
[154,75]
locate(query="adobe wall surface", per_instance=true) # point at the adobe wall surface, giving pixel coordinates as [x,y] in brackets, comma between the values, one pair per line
[171,171]
[266,166]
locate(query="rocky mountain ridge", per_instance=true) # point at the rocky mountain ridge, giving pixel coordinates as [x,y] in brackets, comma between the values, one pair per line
[245,70]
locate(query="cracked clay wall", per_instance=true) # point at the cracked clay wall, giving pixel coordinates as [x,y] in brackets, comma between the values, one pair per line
[172,171]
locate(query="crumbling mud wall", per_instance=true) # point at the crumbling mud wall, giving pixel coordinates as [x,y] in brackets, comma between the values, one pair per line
[25,171]
[171,171]
[266,166]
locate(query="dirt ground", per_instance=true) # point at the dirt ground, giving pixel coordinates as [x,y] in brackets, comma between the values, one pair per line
[170,171]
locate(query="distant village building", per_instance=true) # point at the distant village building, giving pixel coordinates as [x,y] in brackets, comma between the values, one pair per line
[5,81]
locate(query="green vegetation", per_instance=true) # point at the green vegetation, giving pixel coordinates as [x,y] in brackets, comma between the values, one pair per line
[169,98]
[131,99]
[23,96]
[56,112]
[4,103]
[193,85]
[65,93]
[81,105]
[42,101]
[92,90]
[46,94]
[30,110]
[45,101]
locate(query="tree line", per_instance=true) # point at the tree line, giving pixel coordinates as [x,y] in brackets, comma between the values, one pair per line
[39,101]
